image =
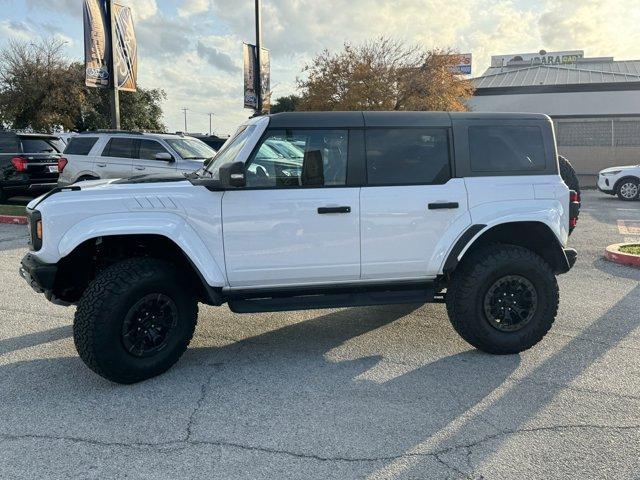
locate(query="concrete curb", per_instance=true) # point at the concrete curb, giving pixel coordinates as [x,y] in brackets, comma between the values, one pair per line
[613,254]
[13,219]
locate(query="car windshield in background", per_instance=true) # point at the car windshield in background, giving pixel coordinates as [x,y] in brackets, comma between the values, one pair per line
[230,150]
[42,145]
[191,148]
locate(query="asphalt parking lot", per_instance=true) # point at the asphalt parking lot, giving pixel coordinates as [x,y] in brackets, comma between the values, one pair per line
[379,393]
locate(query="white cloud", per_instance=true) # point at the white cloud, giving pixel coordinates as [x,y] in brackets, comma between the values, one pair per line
[192,7]
[192,48]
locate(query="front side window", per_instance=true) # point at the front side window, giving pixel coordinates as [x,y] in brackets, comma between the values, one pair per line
[149,149]
[300,158]
[80,145]
[407,156]
[119,147]
[506,148]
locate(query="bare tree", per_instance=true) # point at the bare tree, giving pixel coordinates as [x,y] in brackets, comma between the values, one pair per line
[384,74]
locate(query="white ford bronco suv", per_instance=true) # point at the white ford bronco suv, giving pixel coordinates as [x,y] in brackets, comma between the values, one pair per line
[315,210]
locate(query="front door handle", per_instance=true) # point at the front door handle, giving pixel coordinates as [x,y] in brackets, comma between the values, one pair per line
[443,205]
[325,210]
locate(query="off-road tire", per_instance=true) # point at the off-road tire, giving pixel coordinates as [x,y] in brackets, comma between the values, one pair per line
[98,324]
[473,278]
[570,178]
[626,181]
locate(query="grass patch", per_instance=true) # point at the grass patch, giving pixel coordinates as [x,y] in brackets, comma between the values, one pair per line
[632,249]
[17,210]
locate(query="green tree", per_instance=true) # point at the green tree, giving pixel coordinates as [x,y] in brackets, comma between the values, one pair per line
[40,89]
[384,74]
[285,104]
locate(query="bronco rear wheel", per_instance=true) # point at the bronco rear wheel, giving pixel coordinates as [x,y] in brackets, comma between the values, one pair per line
[503,299]
[135,320]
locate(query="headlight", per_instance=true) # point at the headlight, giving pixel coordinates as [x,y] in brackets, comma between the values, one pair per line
[615,172]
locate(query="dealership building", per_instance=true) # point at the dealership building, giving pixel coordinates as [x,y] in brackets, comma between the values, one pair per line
[594,103]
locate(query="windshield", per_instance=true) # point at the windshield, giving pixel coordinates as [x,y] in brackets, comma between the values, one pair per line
[230,150]
[191,148]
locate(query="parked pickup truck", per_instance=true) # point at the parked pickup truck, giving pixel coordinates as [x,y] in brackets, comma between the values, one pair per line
[28,163]
[315,210]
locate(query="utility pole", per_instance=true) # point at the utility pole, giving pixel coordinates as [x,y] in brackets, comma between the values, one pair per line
[211,114]
[114,93]
[185,110]
[258,76]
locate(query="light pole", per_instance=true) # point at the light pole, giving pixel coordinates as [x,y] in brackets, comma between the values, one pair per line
[185,110]
[258,76]
[115,94]
[211,114]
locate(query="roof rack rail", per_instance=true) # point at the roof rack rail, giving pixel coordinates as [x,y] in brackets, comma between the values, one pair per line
[106,130]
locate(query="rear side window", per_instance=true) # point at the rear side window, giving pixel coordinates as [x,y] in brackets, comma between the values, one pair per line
[120,147]
[506,148]
[407,156]
[80,146]
[9,144]
[149,149]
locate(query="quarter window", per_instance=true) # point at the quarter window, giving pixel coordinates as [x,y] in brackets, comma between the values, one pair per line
[506,148]
[80,146]
[149,149]
[300,158]
[119,147]
[407,156]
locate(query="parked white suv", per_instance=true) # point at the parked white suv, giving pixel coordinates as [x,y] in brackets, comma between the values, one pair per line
[315,210]
[621,181]
[110,154]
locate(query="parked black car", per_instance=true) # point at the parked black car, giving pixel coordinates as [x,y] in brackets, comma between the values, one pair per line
[213,141]
[28,163]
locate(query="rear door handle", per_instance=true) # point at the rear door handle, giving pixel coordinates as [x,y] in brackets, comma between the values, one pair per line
[140,168]
[443,205]
[101,164]
[325,210]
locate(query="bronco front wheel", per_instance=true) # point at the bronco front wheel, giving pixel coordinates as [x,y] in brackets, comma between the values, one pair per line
[135,320]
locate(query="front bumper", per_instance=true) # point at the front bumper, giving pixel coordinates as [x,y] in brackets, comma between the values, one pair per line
[605,185]
[39,275]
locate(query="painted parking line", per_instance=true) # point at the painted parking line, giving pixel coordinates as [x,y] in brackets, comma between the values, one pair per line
[626,227]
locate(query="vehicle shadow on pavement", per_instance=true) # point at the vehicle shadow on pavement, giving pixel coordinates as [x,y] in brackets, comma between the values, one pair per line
[616,270]
[33,339]
[276,392]
[521,408]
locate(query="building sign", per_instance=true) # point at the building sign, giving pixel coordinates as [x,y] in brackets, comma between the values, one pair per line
[250,69]
[540,58]
[464,64]
[97,46]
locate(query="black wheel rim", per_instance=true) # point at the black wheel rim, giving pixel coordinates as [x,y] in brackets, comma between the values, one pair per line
[148,325]
[510,303]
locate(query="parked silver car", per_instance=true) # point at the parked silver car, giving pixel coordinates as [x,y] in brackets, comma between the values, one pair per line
[100,155]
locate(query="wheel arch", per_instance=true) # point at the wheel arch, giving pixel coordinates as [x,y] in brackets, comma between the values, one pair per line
[534,235]
[87,259]
[622,179]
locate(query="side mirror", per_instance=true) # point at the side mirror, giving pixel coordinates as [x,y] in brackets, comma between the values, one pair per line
[164,156]
[233,175]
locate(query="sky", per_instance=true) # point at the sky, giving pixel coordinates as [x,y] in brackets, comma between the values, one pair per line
[193,48]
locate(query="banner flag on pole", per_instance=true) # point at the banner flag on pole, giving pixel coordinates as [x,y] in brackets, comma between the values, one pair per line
[97,52]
